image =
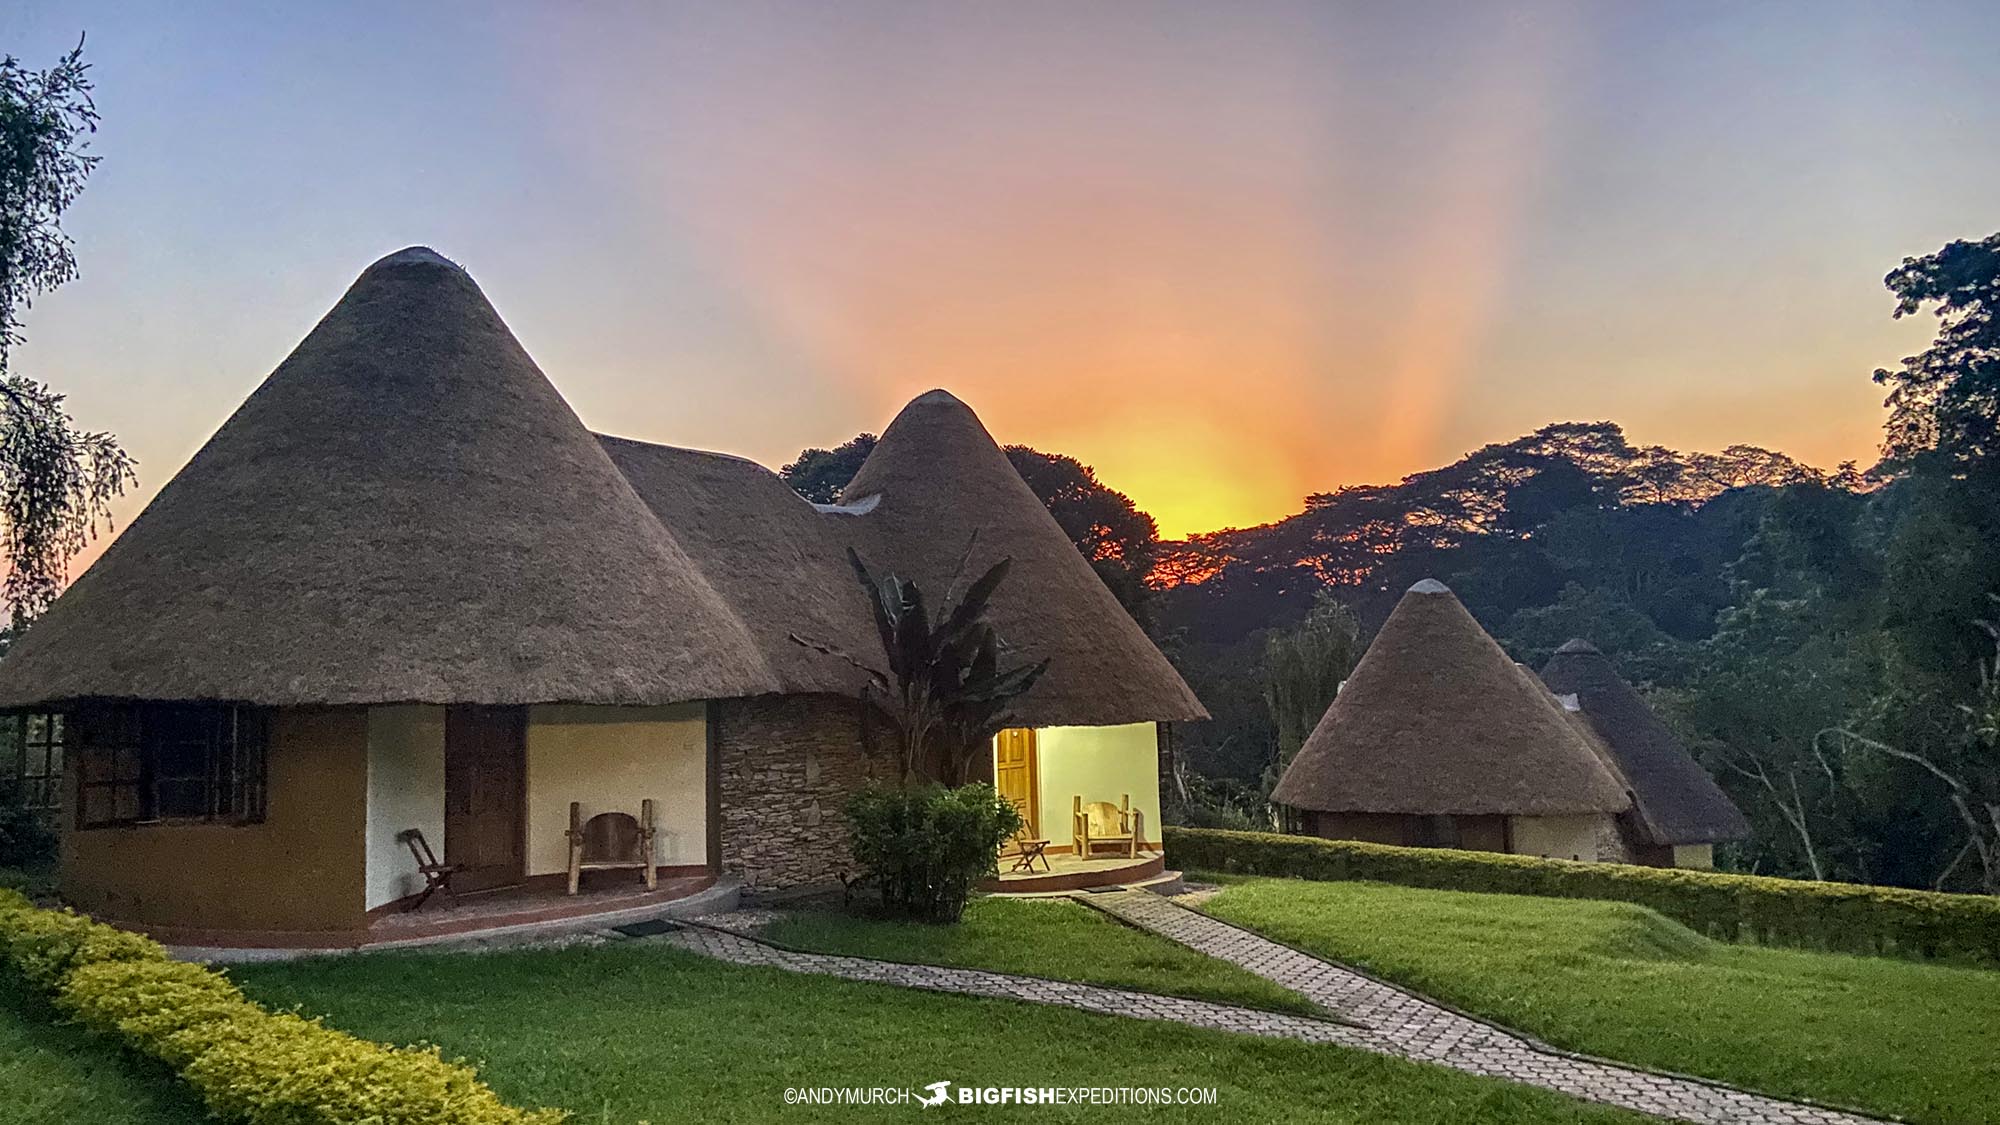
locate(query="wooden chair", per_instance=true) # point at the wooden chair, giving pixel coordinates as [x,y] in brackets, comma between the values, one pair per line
[1101,822]
[437,876]
[611,841]
[1027,850]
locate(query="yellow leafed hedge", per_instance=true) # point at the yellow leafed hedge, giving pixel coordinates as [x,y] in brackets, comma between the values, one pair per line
[1837,916]
[248,1064]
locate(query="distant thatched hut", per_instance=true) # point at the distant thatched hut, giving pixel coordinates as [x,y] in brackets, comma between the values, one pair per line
[404,587]
[1679,812]
[1439,739]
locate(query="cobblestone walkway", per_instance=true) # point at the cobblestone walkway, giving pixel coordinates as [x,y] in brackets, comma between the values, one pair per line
[1403,1024]
[726,937]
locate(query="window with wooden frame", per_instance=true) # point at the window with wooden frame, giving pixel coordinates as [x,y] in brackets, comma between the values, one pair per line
[31,750]
[169,762]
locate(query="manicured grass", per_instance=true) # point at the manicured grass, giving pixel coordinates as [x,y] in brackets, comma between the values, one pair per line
[1052,938]
[1620,981]
[55,1072]
[640,1031]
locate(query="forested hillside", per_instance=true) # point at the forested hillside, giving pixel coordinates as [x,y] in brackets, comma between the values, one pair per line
[1821,638]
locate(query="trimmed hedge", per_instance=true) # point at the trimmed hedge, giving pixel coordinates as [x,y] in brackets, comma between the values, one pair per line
[248,1064]
[1845,917]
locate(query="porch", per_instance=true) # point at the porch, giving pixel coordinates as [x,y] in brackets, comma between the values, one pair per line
[538,908]
[1066,872]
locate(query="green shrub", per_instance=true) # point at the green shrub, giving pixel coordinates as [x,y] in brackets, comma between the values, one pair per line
[26,837]
[248,1064]
[43,946]
[1835,916]
[926,847]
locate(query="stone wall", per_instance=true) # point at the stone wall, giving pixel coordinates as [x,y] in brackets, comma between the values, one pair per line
[786,765]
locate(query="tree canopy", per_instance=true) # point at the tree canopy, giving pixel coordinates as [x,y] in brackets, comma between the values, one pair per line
[56,482]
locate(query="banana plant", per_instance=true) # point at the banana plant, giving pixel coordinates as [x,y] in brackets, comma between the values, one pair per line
[947,687]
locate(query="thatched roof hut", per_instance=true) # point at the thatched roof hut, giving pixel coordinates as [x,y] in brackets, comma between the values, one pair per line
[935,478]
[1676,801]
[1436,720]
[405,511]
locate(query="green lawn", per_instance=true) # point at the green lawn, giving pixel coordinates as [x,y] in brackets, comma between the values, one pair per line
[1043,937]
[1620,981]
[638,1031]
[53,1072]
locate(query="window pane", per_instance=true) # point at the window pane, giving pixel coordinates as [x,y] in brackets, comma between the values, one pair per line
[38,728]
[100,805]
[35,761]
[180,798]
[180,761]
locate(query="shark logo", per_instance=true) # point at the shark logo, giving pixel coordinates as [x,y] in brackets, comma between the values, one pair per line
[939,1092]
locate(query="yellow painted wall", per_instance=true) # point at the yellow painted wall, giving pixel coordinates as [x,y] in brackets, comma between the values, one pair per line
[611,758]
[1100,764]
[300,869]
[1700,856]
[405,790]
[1556,837]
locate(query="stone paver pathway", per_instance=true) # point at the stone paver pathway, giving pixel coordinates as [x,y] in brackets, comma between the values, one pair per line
[1404,1024]
[726,937]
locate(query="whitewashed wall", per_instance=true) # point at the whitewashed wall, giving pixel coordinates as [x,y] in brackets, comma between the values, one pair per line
[609,759]
[405,790]
[1558,837]
[1098,764]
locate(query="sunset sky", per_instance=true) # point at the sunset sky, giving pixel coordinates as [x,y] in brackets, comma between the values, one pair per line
[1228,253]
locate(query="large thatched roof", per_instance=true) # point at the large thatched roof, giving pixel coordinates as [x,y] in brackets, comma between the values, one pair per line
[1677,801]
[936,477]
[405,510]
[1437,720]
[780,563]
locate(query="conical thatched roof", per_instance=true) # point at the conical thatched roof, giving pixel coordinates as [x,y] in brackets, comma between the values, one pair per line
[1437,720]
[406,510]
[1677,801]
[940,477]
[776,560]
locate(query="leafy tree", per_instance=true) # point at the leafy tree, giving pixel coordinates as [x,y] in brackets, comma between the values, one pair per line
[1766,684]
[1965,763]
[1944,402]
[820,474]
[56,482]
[1597,615]
[1303,670]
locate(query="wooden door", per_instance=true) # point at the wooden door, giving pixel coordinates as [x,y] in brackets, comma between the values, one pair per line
[485,795]
[1014,774]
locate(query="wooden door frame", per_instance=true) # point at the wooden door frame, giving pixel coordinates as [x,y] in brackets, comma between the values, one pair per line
[520,748]
[1034,742]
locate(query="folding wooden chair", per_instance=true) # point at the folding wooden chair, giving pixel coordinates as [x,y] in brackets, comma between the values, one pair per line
[437,876]
[1027,850]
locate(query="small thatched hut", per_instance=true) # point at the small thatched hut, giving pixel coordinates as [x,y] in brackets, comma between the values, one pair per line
[403,587]
[1439,739]
[1678,812]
